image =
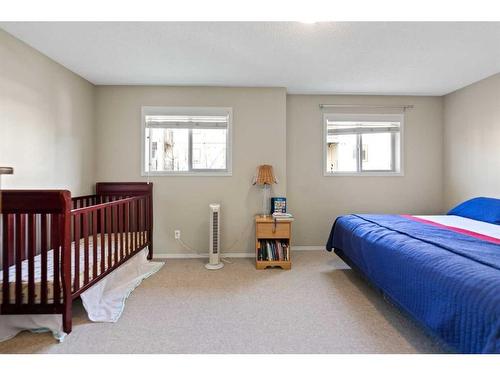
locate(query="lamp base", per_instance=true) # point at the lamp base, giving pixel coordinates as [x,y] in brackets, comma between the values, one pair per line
[266,204]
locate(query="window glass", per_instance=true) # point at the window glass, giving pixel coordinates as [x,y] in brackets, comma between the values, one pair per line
[209,148]
[171,151]
[377,152]
[358,144]
[341,154]
[186,140]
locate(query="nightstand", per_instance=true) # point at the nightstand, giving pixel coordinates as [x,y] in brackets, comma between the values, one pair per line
[272,242]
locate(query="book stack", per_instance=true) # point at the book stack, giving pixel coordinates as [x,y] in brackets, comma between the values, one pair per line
[282,216]
[273,250]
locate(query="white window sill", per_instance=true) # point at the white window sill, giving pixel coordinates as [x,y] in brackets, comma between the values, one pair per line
[187,174]
[363,174]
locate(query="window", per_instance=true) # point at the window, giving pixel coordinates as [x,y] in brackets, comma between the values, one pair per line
[186,141]
[363,144]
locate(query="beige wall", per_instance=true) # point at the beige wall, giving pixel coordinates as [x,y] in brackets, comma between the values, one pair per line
[472,142]
[259,136]
[46,121]
[59,131]
[316,200]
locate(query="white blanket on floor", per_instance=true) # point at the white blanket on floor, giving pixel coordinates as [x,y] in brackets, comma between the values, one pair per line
[104,302]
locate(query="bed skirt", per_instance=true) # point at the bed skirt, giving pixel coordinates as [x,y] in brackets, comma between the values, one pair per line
[103,302]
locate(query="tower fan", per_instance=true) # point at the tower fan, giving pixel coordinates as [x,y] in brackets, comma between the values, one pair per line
[214,262]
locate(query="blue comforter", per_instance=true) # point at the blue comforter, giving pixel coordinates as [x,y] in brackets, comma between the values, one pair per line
[447,281]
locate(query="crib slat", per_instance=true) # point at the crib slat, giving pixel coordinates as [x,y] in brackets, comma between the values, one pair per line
[148,217]
[146,229]
[55,243]
[7,248]
[118,237]
[77,252]
[108,225]
[134,226]
[140,223]
[43,258]
[124,232]
[19,257]
[138,218]
[94,243]
[139,236]
[12,222]
[143,221]
[115,231]
[31,257]
[127,228]
[85,221]
[103,249]
[120,230]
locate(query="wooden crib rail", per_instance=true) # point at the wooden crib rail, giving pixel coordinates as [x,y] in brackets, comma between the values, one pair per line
[84,238]
[105,236]
[91,200]
[84,201]
[35,201]
[36,223]
[125,189]
[116,190]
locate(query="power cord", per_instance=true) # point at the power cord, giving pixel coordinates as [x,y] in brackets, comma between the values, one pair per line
[223,258]
[186,246]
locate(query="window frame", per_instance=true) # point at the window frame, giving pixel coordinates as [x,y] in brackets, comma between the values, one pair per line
[194,111]
[335,116]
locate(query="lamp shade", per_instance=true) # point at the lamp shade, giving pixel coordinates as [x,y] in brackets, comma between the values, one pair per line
[264,175]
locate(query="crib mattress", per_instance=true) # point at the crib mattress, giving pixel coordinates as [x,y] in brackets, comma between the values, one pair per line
[82,269]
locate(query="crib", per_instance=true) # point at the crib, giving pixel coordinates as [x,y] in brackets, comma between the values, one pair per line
[54,247]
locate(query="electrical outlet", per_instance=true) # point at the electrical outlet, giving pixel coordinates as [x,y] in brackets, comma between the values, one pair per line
[177,234]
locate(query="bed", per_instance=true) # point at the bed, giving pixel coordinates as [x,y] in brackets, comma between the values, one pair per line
[443,271]
[55,248]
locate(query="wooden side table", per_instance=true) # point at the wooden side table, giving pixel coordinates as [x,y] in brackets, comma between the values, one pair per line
[272,243]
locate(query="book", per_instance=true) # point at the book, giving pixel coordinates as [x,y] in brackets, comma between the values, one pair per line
[278,204]
[269,251]
[282,216]
[273,250]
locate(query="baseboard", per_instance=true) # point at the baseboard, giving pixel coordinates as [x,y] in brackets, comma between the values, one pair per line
[227,255]
[200,256]
[308,248]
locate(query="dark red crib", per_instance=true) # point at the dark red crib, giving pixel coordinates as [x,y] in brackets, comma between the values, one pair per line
[54,247]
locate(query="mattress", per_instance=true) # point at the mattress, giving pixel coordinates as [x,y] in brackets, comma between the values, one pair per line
[459,222]
[444,271]
[50,266]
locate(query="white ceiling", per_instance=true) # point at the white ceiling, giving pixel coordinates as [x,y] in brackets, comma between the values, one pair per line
[372,58]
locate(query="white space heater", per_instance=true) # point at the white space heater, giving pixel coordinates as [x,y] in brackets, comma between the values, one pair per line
[214,262]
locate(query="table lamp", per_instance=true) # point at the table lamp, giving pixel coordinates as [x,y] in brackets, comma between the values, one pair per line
[265,178]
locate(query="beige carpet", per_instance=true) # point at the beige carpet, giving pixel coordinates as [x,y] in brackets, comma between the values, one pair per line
[320,306]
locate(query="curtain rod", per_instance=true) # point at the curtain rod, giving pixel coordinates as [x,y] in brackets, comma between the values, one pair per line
[404,107]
